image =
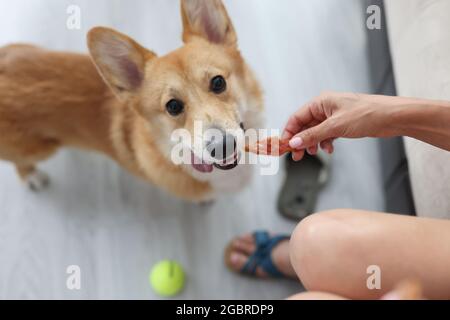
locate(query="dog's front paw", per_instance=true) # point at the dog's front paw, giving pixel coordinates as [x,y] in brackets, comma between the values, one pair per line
[37,181]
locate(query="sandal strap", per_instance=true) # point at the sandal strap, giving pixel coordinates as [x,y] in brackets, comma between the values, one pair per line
[261,237]
[262,256]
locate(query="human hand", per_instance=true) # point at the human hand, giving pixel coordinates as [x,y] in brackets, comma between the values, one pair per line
[336,115]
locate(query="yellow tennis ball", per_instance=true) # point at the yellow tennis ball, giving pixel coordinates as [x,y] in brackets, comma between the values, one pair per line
[167,278]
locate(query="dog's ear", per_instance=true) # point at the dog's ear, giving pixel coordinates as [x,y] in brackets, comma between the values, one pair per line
[119,59]
[207,19]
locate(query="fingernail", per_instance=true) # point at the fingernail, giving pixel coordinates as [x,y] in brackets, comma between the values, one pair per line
[296,143]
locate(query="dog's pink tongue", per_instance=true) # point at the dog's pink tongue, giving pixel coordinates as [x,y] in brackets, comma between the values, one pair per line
[205,168]
[199,165]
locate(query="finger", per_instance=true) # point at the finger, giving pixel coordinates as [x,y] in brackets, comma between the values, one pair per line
[327,146]
[324,144]
[292,128]
[298,121]
[298,155]
[312,150]
[311,137]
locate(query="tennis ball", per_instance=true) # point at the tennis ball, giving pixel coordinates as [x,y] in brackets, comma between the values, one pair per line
[167,278]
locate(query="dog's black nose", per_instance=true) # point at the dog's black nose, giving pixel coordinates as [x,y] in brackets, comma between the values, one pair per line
[222,148]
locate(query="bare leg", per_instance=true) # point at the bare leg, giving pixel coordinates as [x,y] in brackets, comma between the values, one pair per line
[331,252]
[404,291]
[409,290]
[316,296]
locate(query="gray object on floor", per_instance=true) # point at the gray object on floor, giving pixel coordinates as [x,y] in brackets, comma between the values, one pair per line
[304,180]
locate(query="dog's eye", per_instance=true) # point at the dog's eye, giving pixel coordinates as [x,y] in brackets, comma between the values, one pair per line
[174,107]
[218,84]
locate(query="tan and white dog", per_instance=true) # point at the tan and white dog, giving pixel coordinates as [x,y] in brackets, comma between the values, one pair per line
[125,102]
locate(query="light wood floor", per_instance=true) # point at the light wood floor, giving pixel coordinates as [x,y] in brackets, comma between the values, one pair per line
[114,226]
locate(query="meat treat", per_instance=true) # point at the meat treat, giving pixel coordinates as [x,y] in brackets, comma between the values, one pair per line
[272,146]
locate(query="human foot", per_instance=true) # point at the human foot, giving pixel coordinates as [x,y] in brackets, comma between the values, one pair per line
[246,248]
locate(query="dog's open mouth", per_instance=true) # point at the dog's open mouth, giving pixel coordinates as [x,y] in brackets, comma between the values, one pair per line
[200,165]
[227,166]
[205,167]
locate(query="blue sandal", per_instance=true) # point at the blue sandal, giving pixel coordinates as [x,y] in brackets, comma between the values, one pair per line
[262,256]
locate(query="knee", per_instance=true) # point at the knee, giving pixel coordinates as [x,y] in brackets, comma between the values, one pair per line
[319,244]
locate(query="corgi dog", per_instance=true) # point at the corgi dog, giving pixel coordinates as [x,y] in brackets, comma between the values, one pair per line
[125,102]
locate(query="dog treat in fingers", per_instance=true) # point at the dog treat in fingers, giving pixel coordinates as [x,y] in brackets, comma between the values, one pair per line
[272,146]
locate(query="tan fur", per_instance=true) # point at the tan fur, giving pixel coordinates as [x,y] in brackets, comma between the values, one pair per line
[53,99]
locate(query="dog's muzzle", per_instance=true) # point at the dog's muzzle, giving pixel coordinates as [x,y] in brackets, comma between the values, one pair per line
[221,151]
[224,152]
[229,166]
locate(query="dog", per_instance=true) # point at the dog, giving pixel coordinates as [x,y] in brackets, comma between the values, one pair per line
[125,102]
